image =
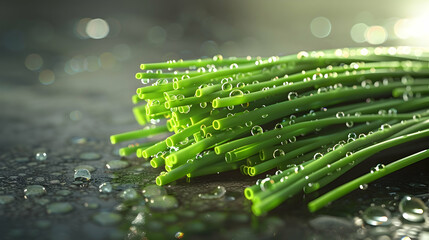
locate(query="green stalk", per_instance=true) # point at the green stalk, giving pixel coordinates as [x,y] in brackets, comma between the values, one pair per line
[365,179]
[186,168]
[137,134]
[267,200]
[126,151]
[286,108]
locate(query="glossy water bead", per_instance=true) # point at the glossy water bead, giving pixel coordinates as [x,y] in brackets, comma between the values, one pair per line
[412,209]
[376,216]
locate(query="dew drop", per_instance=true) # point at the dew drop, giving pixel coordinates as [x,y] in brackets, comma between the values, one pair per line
[392,111]
[236,93]
[349,124]
[266,183]
[377,168]
[278,153]
[317,156]
[34,191]
[218,192]
[41,156]
[412,209]
[128,194]
[82,175]
[292,95]
[59,208]
[256,130]
[298,168]
[105,187]
[363,186]
[352,135]
[218,57]
[116,164]
[385,127]
[240,85]
[248,124]
[339,115]
[417,117]
[179,235]
[302,54]
[226,86]
[377,216]
[234,65]
[151,191]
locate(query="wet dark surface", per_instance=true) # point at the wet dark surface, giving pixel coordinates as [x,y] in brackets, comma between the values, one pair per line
[78,111]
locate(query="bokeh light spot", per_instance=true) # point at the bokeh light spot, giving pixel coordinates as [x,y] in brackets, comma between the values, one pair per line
[46,77]
[97,28]
[320,27]
[376,35]
[33,62]
[358,32]
[403,28]
[80,28]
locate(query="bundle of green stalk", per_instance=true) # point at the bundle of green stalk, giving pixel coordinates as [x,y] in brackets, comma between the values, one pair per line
[306,118]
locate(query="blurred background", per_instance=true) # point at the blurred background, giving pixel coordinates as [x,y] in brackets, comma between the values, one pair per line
[81,56]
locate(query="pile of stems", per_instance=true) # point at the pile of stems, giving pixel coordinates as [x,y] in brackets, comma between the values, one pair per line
[308,117]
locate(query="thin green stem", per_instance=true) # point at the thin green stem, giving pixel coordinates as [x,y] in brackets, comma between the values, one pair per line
[138,134]
[365,179]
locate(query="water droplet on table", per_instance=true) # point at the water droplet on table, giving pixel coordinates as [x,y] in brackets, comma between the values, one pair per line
[179,235]
[218,192]
[5,199]
[412,209]
[128,194]
[64,192]
[82,175]
[87,167]
[376,216]
[34,191]
[107,218]
[41,156]
[105,187]
[116,164]
[78,140]
[163,203]
[153,190]
[59,208]
[90,156]
[91,205]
